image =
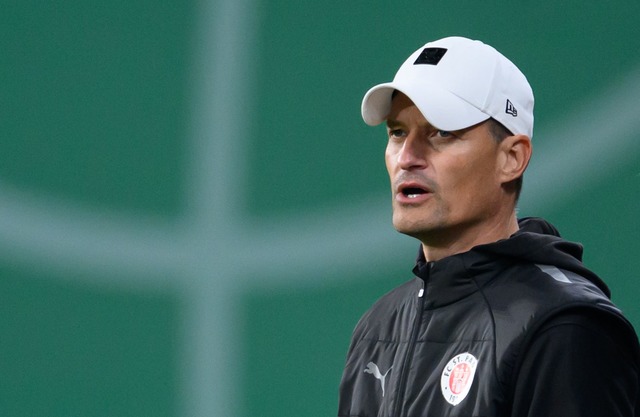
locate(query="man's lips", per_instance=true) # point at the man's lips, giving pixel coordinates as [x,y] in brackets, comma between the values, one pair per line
[412,192]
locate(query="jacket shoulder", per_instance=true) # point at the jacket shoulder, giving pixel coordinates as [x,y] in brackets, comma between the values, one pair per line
[527,296]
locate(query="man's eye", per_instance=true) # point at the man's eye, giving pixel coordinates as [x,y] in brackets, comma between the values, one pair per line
[396,132]
[444,133]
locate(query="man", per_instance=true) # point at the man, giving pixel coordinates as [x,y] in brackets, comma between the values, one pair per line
[502,318]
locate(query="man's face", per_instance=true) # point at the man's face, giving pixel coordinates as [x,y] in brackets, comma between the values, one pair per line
[444,184]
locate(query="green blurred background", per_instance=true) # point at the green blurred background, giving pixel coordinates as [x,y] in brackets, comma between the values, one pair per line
[193,215]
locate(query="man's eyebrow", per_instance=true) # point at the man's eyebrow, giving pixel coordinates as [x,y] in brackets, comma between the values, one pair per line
[393,123]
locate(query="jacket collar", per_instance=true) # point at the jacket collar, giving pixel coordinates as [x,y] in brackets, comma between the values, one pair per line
[458,276]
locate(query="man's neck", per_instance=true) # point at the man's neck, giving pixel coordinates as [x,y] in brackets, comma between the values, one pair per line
[435,249]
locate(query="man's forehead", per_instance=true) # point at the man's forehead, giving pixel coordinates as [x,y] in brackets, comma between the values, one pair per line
[398,95]
[402,110]
[400,102]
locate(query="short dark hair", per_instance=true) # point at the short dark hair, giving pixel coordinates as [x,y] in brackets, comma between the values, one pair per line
[499,133]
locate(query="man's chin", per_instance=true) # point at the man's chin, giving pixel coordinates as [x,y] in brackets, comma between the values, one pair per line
[409,229]
[420,229]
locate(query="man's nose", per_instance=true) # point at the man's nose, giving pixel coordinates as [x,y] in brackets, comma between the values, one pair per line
[413,153]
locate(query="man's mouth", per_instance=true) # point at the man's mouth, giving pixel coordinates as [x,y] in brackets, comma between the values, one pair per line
[413,192]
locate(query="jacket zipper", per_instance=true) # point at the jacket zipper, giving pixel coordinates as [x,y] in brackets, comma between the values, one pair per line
[409,355]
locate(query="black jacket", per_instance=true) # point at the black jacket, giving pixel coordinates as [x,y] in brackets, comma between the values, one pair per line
[514,328]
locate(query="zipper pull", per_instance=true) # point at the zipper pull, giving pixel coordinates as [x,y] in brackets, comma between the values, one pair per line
[421,293]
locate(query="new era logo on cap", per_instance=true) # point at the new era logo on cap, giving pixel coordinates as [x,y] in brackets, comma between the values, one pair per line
[510,109]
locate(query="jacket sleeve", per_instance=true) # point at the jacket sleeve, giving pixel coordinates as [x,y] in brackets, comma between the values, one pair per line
[580,364]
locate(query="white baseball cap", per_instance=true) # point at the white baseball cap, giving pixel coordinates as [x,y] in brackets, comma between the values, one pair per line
[456,83]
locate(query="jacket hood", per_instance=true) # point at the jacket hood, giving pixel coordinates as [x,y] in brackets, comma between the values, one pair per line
[536,242]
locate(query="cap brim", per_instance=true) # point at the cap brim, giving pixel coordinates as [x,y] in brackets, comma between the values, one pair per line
[442,109]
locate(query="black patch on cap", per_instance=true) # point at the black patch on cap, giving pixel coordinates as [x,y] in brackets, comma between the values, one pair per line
[430,56]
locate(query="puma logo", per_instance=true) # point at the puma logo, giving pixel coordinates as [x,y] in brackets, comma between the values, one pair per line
[372,369]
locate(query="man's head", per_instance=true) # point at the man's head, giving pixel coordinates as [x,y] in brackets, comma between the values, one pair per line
[454,158]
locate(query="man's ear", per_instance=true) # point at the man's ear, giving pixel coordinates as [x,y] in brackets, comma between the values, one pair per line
[515,155]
